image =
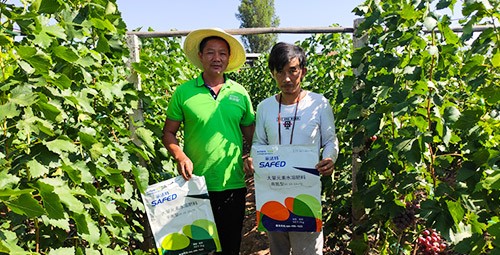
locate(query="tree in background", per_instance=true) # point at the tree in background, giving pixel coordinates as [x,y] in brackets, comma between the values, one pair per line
[258,13]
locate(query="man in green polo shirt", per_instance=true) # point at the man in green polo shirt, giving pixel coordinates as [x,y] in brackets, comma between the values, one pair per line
[217,114]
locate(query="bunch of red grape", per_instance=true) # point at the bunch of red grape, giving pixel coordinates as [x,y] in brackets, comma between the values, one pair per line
[431,243]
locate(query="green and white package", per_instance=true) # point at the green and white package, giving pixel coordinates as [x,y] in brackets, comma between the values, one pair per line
[287,188]
[181,217]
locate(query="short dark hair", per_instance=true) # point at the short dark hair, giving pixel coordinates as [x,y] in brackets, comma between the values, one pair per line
[203,42]
[282,53]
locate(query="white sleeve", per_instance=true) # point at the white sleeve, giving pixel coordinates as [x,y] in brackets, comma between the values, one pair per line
[329,141]
[260,136]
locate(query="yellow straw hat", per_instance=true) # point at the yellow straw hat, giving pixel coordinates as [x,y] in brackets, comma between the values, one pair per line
[192,42]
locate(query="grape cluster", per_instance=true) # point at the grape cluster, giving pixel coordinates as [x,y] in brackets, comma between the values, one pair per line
[431,243]
[407,217]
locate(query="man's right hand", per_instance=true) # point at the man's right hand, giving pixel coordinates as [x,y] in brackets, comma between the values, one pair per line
[185,168]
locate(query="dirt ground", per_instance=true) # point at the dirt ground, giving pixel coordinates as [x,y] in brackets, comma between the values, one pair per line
[254,242]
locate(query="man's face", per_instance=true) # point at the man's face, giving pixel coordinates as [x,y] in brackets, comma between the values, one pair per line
[288,79]
[215,56]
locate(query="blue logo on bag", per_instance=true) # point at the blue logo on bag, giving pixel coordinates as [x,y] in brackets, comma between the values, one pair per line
[164,197]
[272,164]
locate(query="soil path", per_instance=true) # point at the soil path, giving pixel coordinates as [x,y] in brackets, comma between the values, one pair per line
[254,242]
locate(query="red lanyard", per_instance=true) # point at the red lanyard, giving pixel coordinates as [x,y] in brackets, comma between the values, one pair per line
[279,119]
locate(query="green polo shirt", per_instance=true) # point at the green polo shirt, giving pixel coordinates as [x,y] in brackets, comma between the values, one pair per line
[212,133]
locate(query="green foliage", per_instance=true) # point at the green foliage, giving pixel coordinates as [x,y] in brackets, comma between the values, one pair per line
[256,79]
[258,13]
[162,67]
[429,97]
[68,169]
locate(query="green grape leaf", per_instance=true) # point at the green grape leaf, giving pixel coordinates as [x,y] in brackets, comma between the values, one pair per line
[59,146]
[8,110]
[26,205]
[36,169]
[66,53]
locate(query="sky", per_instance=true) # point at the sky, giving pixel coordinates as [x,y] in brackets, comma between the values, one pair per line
[166,15]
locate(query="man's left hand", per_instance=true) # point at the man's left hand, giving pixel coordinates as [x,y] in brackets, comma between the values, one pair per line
[325,167]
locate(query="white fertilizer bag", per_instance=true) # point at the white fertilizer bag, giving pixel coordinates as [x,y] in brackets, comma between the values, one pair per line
[287,188]
[181,217]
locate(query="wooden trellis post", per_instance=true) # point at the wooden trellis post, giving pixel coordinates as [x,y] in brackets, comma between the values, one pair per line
[357,209]
[137,116]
